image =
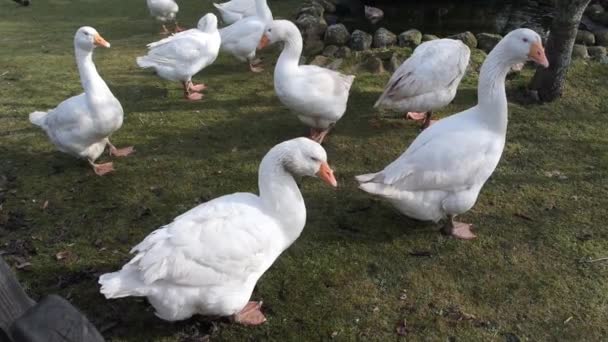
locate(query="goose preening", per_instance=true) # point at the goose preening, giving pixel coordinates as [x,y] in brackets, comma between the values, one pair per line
[82,125]
[317,95]
[442,172]
[428,80]
[241,38]
[208,260]
[164,11]
[235,10]
[183,55]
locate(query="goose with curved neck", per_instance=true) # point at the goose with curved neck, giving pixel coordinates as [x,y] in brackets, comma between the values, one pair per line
[82,125]
[318,95]
[183,55]
[242,37]
[427,80]
[442,172]
[208,260]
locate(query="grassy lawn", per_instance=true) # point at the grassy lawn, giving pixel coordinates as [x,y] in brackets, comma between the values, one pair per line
[359,268]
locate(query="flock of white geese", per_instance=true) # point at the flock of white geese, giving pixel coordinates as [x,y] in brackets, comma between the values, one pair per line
[208,260]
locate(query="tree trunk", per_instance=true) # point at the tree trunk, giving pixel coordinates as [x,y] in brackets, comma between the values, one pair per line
[549,82]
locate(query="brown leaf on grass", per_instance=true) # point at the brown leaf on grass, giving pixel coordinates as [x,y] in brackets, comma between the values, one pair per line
[45,205]
[65,256]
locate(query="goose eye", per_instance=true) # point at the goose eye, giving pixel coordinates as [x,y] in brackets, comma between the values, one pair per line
[525,40]
[269,30]
[314,159]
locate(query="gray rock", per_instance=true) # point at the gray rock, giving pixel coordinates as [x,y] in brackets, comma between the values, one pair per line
[384,38]
[585,38]
[429,37]
[311,27]
[315,9]
[601,38]
[394,63]
[467,38]
[335,65]
[337,35]
[373,65]
[319,60]
[487,41]
[410,38]
[594,9]
[313,47]
[344,52]
[360,41]
[330,51]
[597,52]
[579,51]
[329,6]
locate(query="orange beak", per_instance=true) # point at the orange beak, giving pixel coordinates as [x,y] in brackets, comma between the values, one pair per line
[263,42]
[99,41]
[537,54]
[327,175]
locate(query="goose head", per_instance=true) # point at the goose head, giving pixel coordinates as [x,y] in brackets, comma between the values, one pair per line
[87,38]
[208,23]
[277,31]
[305,157]
[524,45]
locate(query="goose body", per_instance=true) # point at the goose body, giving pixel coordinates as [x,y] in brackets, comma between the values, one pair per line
[208,260]
[428,80]
[81,125]
[241,38]
[442,172]
[319,96]
[181,56]
[235,10]
[163,10]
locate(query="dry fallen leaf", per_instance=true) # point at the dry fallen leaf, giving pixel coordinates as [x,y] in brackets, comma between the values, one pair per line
[402,328]
[45,205]
[65,256]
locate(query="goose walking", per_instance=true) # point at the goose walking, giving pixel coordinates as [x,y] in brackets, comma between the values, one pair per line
[317,95]
[183,55]
[208,260]
[82,125]
[442,172]
[241,38]
[164,11]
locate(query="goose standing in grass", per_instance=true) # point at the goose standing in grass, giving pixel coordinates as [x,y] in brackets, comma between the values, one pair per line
[318,95]
[428,80]
[82,125]
[183,55]
[208,260]
[164,11]
[241,38]
[442,172]
[235,10]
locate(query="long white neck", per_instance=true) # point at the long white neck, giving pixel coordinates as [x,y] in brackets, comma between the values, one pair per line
[93,85]
[292,51]
[263,11]
[492,98]
[281,195]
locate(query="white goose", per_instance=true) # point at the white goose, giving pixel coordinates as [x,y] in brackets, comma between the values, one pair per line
[235,10]
[442,172]
[164,11]
[183,55]
[208,260]
[241,38]
[428,80]
[82,125]
[318,95]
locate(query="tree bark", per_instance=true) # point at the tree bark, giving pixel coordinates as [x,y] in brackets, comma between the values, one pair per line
[549,82]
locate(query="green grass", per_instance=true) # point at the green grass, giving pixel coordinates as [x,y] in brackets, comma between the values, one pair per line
[346,275]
